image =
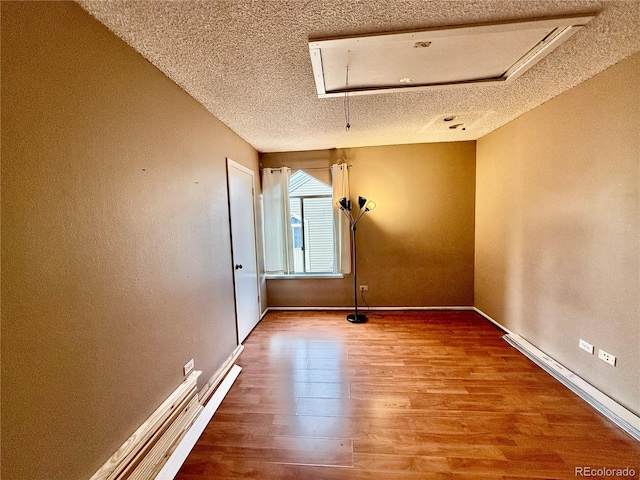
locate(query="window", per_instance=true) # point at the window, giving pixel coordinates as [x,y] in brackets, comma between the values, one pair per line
[311,206]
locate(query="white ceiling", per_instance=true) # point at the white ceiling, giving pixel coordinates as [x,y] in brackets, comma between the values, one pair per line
[248,63]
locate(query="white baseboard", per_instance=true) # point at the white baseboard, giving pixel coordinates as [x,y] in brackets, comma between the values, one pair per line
[618,414]
[208,388]
[365,309]
[487,317]
[180,454]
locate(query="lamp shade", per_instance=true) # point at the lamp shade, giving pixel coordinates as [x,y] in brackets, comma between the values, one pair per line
[343,203]
[361,202]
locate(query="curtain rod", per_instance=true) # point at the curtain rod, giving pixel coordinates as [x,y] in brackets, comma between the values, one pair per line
[307,168]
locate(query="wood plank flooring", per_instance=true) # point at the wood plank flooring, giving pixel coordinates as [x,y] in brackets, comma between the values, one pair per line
[412,395]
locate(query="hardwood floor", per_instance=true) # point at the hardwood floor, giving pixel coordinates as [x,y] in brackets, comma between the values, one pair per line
[413,395]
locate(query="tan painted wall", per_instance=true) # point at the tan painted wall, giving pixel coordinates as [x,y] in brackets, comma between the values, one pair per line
[557,228]
[416,248]
[116,265]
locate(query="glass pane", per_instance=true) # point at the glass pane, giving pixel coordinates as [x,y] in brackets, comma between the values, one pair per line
[318,235]
[298,243]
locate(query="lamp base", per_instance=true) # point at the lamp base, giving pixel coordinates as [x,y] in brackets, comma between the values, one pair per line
[353,318]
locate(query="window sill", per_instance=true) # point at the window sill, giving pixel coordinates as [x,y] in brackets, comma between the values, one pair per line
[304,276]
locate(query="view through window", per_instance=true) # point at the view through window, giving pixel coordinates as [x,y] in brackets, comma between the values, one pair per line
[312,224]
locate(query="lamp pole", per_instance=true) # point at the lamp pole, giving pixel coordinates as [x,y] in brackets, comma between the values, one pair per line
[345,206]
[355,318]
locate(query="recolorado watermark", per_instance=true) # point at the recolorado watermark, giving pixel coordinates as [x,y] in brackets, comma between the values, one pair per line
[605,472]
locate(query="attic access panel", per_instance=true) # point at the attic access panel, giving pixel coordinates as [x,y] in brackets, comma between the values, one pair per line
[451,56]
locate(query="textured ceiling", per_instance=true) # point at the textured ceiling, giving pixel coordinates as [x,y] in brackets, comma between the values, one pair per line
[248,63]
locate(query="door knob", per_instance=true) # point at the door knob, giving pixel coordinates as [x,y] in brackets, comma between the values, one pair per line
[238,266]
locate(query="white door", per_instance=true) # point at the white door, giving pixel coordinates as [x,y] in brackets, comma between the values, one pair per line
[243,243]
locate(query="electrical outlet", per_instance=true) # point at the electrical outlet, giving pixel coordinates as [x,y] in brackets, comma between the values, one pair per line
[607,357]
[586,346]
[364,288]
[188,367]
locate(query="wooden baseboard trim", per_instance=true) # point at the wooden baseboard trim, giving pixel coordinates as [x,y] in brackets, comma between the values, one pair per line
[180,454]
[131,454]
[618,414]
[209,387]
[156,457]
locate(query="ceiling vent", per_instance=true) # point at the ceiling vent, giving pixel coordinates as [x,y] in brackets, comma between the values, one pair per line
[444,57]
[448,122]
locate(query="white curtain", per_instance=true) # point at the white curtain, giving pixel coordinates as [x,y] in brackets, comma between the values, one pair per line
[278,238]
[341,226]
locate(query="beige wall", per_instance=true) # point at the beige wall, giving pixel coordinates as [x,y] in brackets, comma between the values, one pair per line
[416,248]
[557,228]
[116,266]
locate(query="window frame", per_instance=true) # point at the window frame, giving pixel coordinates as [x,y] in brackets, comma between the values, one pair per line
[305,240]
[301,215]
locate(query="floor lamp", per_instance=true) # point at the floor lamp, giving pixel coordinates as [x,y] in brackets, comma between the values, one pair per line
[363,207]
